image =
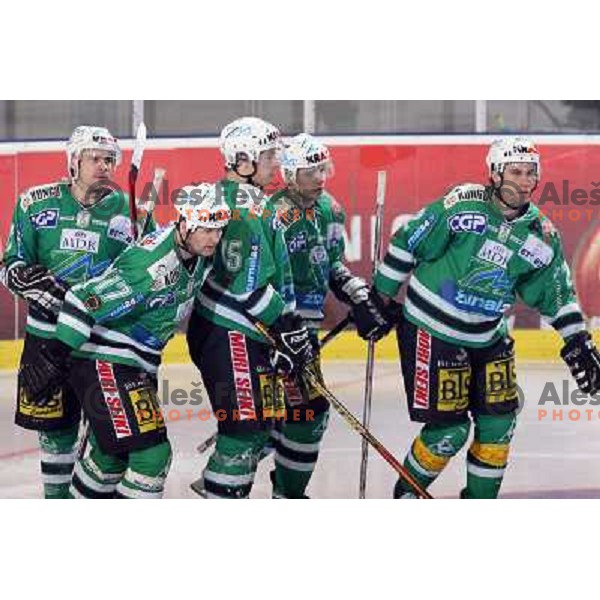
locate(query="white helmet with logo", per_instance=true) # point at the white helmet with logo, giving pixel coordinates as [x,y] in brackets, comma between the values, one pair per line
[89,137]
[203,205]
[304,152]
[246,138]
[510,150]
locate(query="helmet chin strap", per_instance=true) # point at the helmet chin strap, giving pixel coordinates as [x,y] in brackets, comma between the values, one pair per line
[522,209]
[248,178]
[184,246]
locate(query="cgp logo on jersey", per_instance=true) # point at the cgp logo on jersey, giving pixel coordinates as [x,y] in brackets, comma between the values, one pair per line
[47,219]
[468,222]
[495,253]
[536,252]
[80,240]
[297,243]
[119,228]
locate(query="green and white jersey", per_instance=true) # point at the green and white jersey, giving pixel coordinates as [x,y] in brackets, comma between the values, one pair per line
[252,273]
[315,245]
[76,242]
[469,264]
[129,313]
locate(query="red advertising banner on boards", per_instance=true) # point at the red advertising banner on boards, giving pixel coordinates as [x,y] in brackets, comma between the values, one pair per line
[419,169]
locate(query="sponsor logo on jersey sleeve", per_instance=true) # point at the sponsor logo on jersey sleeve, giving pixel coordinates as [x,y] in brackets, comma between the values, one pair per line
[46,219]
[38,193]
[468,222]
[119,228]
[536,252]
[335,235]
[419,233]
[80,241]
[464,192]
[253,264]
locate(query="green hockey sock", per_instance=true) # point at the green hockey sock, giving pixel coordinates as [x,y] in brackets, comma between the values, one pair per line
[430,453]
[146,473]
[58,455]
[488,455]
[296,452]
[231,468]
[97,474]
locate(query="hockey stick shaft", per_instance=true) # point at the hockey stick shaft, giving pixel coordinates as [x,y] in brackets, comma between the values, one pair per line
[159,175]
[366,417]
[357,425]
[134,169]
[335,331]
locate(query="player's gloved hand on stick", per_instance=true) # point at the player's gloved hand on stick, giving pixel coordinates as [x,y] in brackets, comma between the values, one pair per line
[293,350]
[374,319]
[367,308]
[583,359]
[37,285]
[50,369]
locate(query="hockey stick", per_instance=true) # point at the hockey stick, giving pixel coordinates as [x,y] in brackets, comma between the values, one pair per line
[134,169]
[337,329]
[357,425]
[366,418]
[159,175]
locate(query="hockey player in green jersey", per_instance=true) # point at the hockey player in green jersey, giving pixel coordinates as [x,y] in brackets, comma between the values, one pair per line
[313,224]
[63,233]
[251,281]
[471,253]
[116,326]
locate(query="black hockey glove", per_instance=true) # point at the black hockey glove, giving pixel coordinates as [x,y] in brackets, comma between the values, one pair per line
[368,310]
[37,285]
[583,359]
[293,349]
[50,369]
[373,318]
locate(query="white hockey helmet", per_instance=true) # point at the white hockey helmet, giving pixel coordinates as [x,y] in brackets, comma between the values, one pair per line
[304,152]
[246,138]
[505,151]
[90,137]
[203,205]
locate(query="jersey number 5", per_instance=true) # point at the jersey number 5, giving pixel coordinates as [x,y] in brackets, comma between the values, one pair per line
[232,256]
